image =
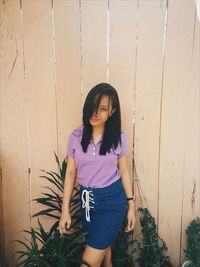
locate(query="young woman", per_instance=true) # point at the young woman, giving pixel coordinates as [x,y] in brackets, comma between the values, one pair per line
[97,156]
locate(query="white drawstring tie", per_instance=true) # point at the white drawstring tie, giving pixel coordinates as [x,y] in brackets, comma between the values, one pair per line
[86,203]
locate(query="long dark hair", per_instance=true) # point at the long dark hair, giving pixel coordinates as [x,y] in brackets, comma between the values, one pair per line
[112,131]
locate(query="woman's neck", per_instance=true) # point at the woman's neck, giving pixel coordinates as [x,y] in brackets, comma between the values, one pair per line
[97,132]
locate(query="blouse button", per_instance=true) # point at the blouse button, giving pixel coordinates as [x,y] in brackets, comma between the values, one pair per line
[93,147]
[93,153]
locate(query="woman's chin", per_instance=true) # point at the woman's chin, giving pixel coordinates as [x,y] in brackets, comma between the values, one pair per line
[95,122]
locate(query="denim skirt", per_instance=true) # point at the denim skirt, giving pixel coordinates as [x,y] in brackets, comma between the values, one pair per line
[102,213]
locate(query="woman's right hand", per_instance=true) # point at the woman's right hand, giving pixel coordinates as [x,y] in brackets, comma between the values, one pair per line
[65,222]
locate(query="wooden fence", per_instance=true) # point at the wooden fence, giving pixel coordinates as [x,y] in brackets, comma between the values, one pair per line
[53,53]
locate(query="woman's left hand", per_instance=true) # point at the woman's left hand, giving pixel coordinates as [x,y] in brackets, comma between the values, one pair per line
[131,220]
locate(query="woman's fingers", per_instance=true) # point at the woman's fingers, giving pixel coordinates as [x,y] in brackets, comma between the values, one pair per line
[64,227]
[130,225]
[128,228]
[64,223]
[68,225]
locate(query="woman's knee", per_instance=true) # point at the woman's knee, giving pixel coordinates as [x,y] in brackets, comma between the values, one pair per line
[108,253]
[93,256]
[107,261]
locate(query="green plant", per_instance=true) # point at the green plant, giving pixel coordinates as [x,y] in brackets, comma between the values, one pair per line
[192,251]
[52,200]
[56,250]
[121,256]
[152,251]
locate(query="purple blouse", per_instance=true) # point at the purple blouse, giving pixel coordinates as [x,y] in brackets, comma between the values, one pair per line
[94,170]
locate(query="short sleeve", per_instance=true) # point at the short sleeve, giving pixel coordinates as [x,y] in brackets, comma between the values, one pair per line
[124,145]
[70,146]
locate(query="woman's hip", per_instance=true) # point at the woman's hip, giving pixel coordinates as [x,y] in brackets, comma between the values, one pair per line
[111,198]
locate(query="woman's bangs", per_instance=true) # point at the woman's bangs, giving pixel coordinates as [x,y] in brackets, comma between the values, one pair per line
[95,104]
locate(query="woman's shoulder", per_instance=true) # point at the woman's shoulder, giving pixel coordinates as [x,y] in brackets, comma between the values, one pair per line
[123,133]
[124,136]
[77,132]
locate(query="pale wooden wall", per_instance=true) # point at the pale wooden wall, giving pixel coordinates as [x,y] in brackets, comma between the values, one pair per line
[53,52]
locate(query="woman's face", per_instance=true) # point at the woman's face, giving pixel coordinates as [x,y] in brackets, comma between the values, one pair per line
[104,111]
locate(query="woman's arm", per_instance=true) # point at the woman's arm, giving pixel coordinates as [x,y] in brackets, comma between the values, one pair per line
[125,176]
[127,183]
[69,183]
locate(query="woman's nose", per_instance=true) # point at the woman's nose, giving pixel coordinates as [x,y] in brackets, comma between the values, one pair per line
[95,114]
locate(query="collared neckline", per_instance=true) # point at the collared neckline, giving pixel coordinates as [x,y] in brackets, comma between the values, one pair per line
[91,138]
[97,142]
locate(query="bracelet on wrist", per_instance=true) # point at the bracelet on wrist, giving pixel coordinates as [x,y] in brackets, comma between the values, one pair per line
[131,198]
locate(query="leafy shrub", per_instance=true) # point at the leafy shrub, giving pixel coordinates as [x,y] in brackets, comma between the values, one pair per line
[152,251]
[56,250]
[192,251]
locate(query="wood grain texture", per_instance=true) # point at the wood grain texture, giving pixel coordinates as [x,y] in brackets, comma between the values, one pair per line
[67,49]
[40,86]
[175,180]
[93,16]
[122,68]
[14,135]
[52,53]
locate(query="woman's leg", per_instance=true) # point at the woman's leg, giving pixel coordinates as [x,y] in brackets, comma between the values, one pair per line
[93,256]
[107,262]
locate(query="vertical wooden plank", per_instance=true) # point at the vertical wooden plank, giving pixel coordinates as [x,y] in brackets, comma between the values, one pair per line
[149,65]
[191,181]
[68,69]
[175,130]
[122,46]
[122,43]
[93,43]
[40,84]
[2,233]
[147,85]
[14,142]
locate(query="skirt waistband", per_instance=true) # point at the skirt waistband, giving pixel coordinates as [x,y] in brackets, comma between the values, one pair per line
[115,186]
[89,195]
